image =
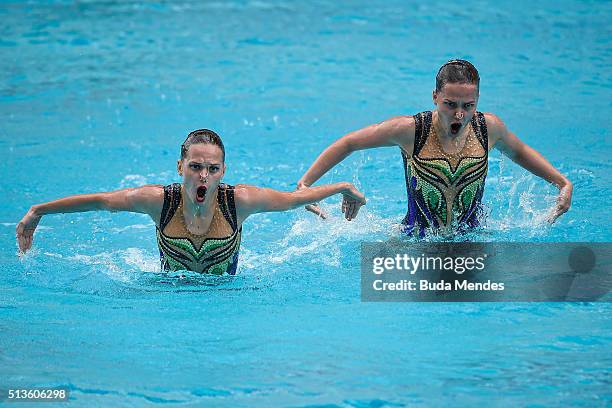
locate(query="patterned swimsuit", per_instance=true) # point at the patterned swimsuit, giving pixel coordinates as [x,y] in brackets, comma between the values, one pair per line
[216,252]
[445,190]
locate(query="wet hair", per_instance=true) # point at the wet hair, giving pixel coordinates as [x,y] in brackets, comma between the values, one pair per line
[205,136]
[457,71]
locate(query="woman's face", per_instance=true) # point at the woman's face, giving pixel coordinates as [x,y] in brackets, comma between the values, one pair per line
[202,171]
[456,105]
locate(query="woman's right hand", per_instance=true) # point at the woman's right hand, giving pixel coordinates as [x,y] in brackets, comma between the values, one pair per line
[25,229]
[564,201]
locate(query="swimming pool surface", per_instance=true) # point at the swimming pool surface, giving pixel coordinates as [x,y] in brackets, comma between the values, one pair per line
[99,95]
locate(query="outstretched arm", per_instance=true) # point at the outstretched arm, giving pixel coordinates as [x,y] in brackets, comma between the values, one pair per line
[252,200]
[528,158]
[398,131]
[146,199]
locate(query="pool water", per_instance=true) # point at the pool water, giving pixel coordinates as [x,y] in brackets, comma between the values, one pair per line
[98,95]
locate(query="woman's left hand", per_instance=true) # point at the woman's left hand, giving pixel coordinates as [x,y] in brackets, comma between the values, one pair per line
[352,200]
[564,201]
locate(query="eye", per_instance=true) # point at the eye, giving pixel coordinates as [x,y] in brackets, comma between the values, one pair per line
[451,104]
[214,169]
[469,105]
[195,166]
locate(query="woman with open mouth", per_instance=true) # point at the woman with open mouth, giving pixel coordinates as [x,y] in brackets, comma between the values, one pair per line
[445,154]
[199,221]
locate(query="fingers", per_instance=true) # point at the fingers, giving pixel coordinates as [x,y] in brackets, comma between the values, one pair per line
[315,209]
[20,242]
[349,210]
[357,207]
[28,242]
[355,210]
[19,236]
[552,218]
[24,242]
[559,211]
[24,238]
[351,206]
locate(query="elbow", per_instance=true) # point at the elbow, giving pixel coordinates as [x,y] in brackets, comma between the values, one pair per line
[103,201]
[107,202]
[519,153]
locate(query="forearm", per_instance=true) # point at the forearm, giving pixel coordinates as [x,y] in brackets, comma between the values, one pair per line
[311,195]
[534,162]
[331,156]
[267,200]
[531,160]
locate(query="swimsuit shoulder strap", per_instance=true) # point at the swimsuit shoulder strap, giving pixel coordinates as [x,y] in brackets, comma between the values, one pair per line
[172,199]
[479,124]
[227,205]
[422,123]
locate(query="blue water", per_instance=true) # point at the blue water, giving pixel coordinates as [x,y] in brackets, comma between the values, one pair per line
[99,95]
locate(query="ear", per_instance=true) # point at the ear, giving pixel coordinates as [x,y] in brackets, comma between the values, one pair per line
[179,167]
[434,96]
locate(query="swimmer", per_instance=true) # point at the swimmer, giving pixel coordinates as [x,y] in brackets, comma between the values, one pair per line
[198,221]
[445,154]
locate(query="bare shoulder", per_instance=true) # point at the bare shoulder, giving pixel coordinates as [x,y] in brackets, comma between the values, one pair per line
[153,189]
[400,124]
[494,123]
[247,198]
[402,129]
[244,194]
[153,193]
[403,121]
[147,199]
[496,128]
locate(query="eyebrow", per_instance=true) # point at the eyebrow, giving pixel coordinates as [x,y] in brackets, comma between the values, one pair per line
[451,100]
[197,162]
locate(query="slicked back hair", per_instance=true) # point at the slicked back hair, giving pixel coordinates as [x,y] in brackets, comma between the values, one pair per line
[204,136]
[457,71]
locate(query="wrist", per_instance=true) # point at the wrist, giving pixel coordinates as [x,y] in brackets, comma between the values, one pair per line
[344,186]
[36,210]
[565,183]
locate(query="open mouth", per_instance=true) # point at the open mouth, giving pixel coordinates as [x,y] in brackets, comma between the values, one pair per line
[455,127]
[201,194]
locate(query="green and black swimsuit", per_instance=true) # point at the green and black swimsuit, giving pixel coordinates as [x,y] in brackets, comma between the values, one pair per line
[215,252]
[445,190]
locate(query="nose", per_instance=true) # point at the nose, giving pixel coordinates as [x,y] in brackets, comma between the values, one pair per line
[459,115]
[204,174]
